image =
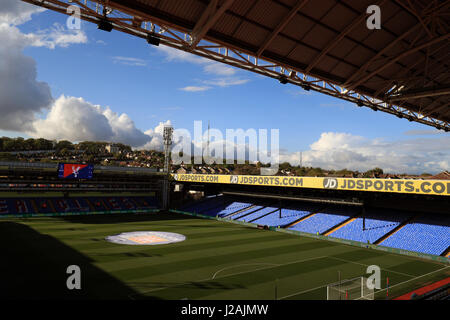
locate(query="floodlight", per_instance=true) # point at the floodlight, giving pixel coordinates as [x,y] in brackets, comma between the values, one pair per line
[283,79]
[152,39]
[105,25]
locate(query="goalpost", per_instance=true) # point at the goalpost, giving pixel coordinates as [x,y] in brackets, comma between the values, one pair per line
[352,289]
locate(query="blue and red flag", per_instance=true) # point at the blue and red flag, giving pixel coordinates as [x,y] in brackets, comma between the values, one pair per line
[75,171]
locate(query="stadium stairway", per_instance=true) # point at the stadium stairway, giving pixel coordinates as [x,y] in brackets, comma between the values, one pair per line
[102,201]
[134,202]
[340,225]
[34,205]
[239,211]
[51,205]
[91,206]
[393,231]
[248,213]
[266,214]
[300,220]
[446,253]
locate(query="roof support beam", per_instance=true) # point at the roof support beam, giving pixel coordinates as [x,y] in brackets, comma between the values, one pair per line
[436,109]
[338,39]
[411,10]
[281,26]
[273,66]
[208,19]
[405,72]
[425,92]
[395,59]
[379,54]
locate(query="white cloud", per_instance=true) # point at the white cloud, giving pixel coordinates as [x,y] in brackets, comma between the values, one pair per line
[226,72]
[75,119]
[226,82]
[23,98]
[21,95]
[219,69]
[156,137]
[335,150]
[124,129]
[177,55]
[195,88]
[56,36]
[129,61]
[14,12]
[300,92]
[422,132]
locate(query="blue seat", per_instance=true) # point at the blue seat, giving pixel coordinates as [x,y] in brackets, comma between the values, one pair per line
[428,235]
[377,223]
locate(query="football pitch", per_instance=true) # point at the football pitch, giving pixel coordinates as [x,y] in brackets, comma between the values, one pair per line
[218,260]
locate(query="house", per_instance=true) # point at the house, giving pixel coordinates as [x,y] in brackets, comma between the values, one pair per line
[181,170]
[211,170]
[112,148]
[444,175]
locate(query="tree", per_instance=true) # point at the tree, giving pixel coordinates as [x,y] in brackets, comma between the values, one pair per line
[43,144]
[375,172]
[285,166]
[9,144]
[29,144]
[64,152]
[64,144]
[315,172]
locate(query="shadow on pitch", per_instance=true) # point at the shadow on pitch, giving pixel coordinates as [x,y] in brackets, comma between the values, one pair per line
[191,285]
[123,218]
[34,265]
[174,290]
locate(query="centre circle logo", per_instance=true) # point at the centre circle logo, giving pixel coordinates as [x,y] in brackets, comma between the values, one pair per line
[146,238]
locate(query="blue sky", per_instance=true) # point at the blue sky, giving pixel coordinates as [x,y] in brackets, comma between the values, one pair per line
[129,76]
[151,93]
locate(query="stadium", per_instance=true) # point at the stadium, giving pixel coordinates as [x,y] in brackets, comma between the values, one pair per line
[149,234]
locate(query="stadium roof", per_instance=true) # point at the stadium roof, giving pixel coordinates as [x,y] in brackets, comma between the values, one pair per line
[402,68]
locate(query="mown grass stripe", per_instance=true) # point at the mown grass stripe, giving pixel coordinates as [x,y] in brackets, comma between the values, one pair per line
[211,246]
[192,247]
[182,256]
[235,257]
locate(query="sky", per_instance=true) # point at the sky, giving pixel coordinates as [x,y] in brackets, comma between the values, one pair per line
[89,84]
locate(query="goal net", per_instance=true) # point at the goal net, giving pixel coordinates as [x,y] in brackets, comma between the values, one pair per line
[353,289]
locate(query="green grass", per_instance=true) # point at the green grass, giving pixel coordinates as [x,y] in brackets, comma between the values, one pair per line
[218,260]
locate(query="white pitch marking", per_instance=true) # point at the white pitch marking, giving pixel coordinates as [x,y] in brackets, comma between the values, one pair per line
[301,292]
[366,265]
[244,264]
[231,274]
[423,275]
